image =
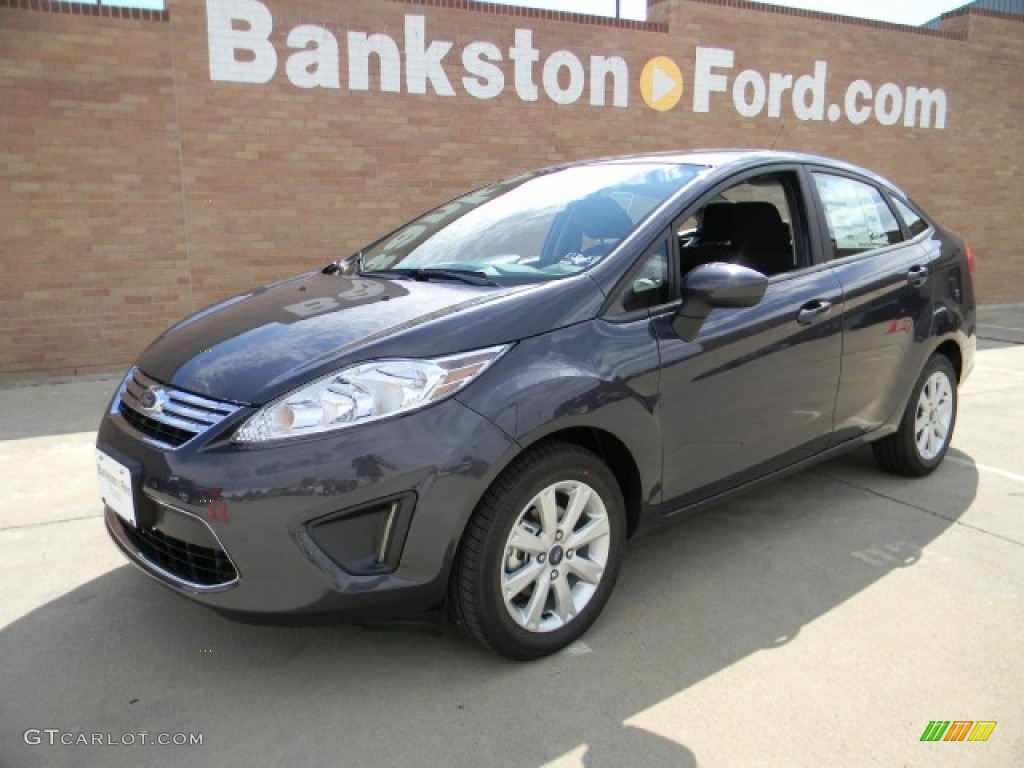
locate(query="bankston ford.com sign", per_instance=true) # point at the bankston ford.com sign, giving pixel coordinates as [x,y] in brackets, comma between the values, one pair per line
[241,52]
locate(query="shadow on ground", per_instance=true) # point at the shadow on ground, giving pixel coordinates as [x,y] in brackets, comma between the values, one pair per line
[121,654]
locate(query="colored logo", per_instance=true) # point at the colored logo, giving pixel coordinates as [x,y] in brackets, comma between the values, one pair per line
[958,730]
[661,84]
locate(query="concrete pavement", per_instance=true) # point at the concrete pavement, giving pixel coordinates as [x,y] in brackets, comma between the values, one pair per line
[1002,323]
[825,620]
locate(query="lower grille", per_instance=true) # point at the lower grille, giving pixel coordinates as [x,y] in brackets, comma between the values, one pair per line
[189,562]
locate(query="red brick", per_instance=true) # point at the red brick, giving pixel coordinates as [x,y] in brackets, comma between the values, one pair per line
[136,190]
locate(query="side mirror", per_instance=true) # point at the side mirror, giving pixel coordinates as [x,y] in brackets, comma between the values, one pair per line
[715,285]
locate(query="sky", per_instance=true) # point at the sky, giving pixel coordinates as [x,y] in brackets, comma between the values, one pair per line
[898,11]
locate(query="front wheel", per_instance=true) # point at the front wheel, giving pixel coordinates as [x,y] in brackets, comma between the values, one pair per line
[921,442]
[541,554]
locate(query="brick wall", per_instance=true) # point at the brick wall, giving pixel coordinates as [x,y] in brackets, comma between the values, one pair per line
[135,189]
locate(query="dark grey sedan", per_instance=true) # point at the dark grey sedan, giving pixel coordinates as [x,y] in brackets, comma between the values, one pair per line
[480,408]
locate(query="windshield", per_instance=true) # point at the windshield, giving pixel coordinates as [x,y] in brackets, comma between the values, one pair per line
[538,226]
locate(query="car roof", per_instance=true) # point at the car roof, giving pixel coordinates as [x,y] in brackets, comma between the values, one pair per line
[740,159]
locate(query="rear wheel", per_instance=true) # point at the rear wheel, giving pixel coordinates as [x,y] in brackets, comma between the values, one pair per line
[921,442]
[541,554]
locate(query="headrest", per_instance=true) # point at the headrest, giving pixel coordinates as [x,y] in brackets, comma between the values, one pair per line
[764,226]
[601,218]
[720,223]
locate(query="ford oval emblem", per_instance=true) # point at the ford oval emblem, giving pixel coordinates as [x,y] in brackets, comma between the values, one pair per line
[152,400]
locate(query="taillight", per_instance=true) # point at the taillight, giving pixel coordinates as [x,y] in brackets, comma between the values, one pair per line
[970,259]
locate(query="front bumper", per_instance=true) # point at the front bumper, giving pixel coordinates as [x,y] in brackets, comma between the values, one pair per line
[363,522]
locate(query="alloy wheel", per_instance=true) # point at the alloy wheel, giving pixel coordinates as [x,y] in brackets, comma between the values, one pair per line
[555,556]
[934,416]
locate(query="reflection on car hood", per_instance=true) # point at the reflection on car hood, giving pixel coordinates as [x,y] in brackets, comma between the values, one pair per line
[257,345]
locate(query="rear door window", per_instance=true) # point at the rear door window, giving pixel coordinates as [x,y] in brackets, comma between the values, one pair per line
[858,217]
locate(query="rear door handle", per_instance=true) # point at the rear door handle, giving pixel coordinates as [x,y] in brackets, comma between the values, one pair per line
[813,312]
[916,276]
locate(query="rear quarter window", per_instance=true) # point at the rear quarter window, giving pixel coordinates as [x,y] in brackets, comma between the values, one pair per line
[914,221]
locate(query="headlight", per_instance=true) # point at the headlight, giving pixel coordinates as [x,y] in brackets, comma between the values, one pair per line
[365,392]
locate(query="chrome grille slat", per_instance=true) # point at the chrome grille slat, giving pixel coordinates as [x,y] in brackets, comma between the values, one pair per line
[182,416]
[173,421]
[135,388]
[205,418]
[203,403]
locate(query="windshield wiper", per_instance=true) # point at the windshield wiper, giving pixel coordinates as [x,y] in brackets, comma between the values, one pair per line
[472,277]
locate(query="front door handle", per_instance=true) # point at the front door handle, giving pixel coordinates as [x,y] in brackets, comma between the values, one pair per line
[916,276]
[814,311]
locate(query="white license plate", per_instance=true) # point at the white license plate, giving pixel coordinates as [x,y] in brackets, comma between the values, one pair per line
[115,481]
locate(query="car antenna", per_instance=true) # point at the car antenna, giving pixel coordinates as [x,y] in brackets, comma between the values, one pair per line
[777,135]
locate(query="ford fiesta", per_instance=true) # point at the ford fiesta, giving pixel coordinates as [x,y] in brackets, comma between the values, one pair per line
[480,408]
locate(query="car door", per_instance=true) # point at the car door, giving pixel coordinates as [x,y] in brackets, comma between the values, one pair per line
[887,294]
[755,390]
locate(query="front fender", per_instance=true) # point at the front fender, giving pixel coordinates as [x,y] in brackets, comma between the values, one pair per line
[595,375]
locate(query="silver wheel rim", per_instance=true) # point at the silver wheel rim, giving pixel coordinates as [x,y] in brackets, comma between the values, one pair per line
[934,417]
[555,556]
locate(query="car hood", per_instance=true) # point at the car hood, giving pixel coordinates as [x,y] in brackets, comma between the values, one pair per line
[257,346]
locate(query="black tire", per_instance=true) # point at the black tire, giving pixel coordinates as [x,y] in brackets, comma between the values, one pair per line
[900,452]
[476,599]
